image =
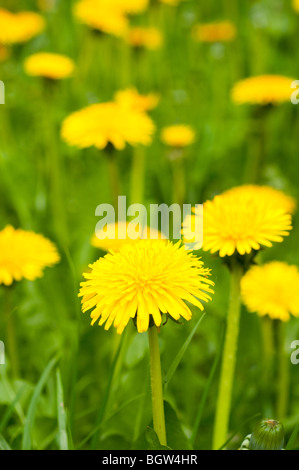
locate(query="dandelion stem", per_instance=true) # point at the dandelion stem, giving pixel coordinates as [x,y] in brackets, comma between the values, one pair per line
[229,360]
[267,361]
[113,176]
[156,385]
[137,176]
[10,333]
[284,376]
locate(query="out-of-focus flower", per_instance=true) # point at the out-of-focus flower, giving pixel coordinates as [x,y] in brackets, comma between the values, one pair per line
[242,219]
[178,136]
[263,90]
[49,65]
[118,234]
[296,5]
[131,6]
[4,53]
[24,255]
[272,289]
[222,31]
[149,38]
[131,98]
[143,281]
[104,123]
[19,27]
[102,15]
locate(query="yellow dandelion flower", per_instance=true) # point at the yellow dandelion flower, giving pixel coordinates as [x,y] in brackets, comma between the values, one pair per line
[149,38]
[102,15]
[275,196]
[243,219]
[296,5]
[272,289]
[222,31]
[131,98]
[131,6]
[24,255]
[104,123]
[263,90]
[19,27]
[118,235]
[49,65]
[144,281]
[178,136]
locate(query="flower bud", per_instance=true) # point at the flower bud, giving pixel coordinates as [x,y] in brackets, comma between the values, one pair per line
[267,435]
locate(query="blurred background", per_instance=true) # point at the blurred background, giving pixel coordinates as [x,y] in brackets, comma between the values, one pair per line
[193,79]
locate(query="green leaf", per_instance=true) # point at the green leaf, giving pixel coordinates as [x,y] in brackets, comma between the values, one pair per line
[3,444]
[293,438]
[29,421]
[176,438]
[181,353]
[153,440]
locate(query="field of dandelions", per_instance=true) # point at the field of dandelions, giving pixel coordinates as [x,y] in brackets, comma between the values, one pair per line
[162,101]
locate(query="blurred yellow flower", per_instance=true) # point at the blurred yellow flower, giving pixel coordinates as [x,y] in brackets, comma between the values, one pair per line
[131,6]
[102,15]
[4,53]
[104,123]
[19,27]
[24,255]
[149,38]
[131,98]
[222,31]
[178,136]
[144,281]
[263,90]
[49,65]
[114,231]
[272,290]
[296,5]
[243,219]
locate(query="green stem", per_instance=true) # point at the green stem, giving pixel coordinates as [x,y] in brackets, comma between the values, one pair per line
[267,361]
[223,408]
[156,386]
[113,176]
[137,175]
[10,341]
[284,374]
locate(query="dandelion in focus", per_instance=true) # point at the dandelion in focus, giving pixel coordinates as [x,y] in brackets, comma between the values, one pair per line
[143,282]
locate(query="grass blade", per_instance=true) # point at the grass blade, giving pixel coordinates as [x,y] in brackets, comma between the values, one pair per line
[61,415]
[3,444]
[181,353]
[26,441]
[293,438]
